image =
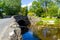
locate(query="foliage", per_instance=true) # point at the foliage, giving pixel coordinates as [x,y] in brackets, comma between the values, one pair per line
[1,4]
[24,11]
[58,13]
[11,11]
[31,14]
[53,9]
[1,9]
[47,21]
[36,8]
[44,8]
[48,18]
[10,7]
[39,23]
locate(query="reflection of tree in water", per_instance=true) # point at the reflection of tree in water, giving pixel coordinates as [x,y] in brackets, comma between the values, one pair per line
[50,32]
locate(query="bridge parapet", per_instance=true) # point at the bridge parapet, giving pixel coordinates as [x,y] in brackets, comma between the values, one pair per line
[9,29]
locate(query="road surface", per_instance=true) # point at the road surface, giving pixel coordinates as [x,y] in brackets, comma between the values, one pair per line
[4,28]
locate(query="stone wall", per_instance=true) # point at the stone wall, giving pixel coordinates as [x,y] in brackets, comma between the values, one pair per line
[17,31]
[11,31]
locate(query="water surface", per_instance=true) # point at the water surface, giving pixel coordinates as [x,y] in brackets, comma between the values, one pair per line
[29,36]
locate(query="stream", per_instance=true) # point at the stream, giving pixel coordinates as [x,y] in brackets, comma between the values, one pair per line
[29,36]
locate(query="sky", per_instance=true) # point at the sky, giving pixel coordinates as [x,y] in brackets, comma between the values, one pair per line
[26,2]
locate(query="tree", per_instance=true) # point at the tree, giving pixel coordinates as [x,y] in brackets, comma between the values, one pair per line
[1,8]
[12,7]
[51,9]
[24,11]
[36,8]
[44,8]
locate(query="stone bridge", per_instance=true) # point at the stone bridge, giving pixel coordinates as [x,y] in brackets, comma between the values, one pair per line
[10,28]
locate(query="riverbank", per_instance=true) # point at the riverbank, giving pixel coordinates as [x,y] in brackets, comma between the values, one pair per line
[45,28]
